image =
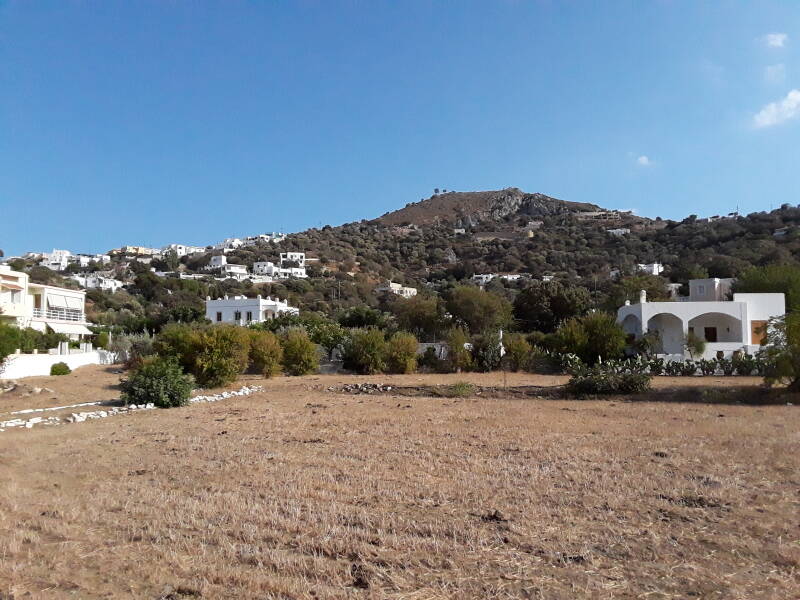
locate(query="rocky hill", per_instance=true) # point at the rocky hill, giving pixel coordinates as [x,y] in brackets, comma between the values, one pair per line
[469,209]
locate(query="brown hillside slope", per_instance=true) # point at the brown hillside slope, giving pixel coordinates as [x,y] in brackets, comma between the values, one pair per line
[470,208]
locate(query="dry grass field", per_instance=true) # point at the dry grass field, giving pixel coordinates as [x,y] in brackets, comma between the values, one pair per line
[298,492]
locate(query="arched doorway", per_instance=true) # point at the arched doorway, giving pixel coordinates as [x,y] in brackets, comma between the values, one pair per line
[715,327]
[670,333]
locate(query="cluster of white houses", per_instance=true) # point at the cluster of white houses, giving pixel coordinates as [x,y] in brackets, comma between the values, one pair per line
[292,264]
[727,326]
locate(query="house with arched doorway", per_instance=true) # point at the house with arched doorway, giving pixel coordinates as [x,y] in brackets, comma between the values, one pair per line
[726,325]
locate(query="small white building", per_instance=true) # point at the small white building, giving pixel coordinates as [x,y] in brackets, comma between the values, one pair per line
[217,262]
[397,289]
[98,282]
[651,268]
[483,278]
[234,272]
[57,260]
[182,250]
[619,232]
[242,310]
[727,326]
[229,244]
[296,257]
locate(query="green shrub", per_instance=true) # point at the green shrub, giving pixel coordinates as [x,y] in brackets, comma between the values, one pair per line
[593,337]
[597,380]
[401,353]
[707,367]
[518,352]
[365,351]
[745,364]
[215,355]
[656,366]
[26,340]
[223,356]
[266,354]
[430,362]
[159,380]
[673,368]
[688,368]
[101,340]
[726,365]
[60,368]
[182,341]
[300,355]
[458,356]
[486,351]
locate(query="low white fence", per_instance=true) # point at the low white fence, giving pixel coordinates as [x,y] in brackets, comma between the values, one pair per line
[17,366]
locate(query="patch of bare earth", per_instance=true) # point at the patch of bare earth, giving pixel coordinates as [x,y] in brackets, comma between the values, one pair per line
[296,492]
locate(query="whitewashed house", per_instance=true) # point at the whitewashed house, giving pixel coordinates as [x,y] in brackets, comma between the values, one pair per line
[651,268]
[242,310]
[98,281]
[483,278]
[727,326]
[397,289]
[57,260]
[182,250]
[619,232]
[228,244]
[238,272]
[270,269]
[41,307]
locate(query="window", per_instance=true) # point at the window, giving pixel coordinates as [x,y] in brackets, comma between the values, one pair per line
[701,289]
[237,316]
[219,316]
[249,315]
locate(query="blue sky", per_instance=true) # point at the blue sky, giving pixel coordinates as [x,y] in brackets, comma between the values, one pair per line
[188,122]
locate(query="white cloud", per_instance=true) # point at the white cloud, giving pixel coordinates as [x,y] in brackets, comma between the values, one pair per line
[644,161]
[776,40]
[779,112]
[775,73]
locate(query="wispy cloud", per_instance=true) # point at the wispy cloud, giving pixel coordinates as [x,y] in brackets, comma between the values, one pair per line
[776,40]
[644,161]
[775,73]
[779,112]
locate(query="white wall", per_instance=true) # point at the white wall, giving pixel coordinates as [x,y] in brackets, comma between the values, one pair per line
[18,366]
[762,307]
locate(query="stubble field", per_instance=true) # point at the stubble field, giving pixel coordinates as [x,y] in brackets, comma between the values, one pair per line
[301,492]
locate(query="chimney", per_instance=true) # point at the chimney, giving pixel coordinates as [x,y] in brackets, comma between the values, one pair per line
[643,297]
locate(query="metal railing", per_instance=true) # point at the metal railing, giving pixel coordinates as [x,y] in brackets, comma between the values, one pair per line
[59,314]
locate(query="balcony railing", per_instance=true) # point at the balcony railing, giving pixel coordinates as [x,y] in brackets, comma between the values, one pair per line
[59,314]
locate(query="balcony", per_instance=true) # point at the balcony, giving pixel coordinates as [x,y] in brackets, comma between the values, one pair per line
[59,314]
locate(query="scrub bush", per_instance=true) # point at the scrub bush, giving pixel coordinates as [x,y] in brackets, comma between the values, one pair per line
[300,354]
[401,353]
[365,352]
[159,380]
[60,368]
[266,354]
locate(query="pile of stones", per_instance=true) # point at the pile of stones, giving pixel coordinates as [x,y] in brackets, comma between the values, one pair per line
[244,391]
[362,388]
